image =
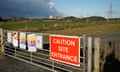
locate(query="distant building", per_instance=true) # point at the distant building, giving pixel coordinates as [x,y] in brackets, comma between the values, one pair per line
[55,17]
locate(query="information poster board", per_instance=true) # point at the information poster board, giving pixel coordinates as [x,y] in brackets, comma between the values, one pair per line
[31,38]
[9,37]
[39,42]
[22,40]
[15,39]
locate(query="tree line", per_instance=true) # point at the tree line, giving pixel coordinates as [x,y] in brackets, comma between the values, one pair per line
[70,18]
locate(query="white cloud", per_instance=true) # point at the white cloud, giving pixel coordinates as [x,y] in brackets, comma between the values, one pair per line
[51,4]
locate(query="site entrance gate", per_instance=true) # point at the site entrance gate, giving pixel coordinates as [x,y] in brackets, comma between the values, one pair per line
[40,56]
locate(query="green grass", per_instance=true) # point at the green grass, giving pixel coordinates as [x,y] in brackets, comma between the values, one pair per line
[68,27]
[15,25]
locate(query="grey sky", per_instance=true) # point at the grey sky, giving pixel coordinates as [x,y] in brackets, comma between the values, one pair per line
[26,8]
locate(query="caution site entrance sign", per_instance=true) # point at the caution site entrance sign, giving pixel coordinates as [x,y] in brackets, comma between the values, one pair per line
[65,49]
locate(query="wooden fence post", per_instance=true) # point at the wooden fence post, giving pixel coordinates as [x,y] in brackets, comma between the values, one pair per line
[96,54]
[89,64]
[1,33]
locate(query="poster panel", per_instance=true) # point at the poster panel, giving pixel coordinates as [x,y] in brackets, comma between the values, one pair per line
[9,37]
[39,42]
[31,43]
[22,40]
[15,38]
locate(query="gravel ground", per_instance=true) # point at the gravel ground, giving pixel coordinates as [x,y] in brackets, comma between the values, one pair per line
[8,64]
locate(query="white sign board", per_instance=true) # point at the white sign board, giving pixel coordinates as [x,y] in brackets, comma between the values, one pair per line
[15,39]
[22,40]
[31,43]
[39,42]
[9,37]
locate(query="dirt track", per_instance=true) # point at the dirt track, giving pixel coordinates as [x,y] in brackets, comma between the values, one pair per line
[8,64]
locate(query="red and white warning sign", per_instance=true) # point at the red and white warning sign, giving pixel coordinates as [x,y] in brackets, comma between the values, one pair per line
[65,49]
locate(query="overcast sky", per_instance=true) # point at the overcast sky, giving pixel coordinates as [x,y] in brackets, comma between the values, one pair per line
[27,8]
[45,8]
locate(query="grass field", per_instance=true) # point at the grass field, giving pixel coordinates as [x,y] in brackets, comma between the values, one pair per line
[63,27]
